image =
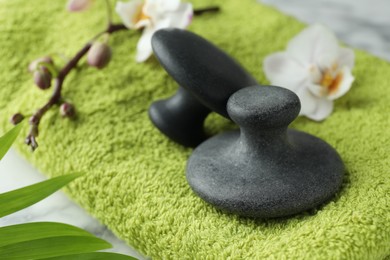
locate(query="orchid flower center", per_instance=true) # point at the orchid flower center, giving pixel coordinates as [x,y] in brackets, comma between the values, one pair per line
[328,79]
[140,15]
[331,79]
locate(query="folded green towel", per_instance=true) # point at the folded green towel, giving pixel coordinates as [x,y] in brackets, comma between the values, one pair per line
[135,182]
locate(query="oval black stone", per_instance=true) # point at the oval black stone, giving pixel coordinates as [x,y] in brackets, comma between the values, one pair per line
[199,66]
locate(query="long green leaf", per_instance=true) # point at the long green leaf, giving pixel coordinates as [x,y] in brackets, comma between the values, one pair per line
[8,139]
[51,247]
[38,230]
[94,256]
[16,200]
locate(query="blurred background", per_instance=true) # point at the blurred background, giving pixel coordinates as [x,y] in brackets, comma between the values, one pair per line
[363,24]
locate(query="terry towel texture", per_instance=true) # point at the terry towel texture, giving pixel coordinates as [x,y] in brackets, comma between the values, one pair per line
[135,182]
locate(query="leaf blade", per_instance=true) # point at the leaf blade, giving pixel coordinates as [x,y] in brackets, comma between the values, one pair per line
[52,247]
[37,230]
[29,195]
[94,256]
[8,139]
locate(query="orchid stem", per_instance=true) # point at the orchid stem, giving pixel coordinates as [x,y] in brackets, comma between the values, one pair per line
[109,12]
[211,9]
[60,76]
[58,82]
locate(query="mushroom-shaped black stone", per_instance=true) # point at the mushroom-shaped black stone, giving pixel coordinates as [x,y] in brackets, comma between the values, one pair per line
[208,73]
[264,170]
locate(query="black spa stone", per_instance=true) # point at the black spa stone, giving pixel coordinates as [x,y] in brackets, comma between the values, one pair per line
[264,170]
[180,117]
[207,76]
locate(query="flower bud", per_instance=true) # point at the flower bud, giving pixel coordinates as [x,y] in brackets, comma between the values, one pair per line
[33,66]
[42,78]
[33,120]
[16,119]
[78,5]
[99,55]
[67,110]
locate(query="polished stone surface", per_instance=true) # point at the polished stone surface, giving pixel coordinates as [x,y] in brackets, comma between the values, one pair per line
[204,69]
[180,117]
[208,77]
[264,170]
[360,23]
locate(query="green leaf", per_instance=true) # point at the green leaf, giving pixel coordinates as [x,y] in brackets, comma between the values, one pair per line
[94,256]
[8,139]
[38,230]
[51,247]
[16,200]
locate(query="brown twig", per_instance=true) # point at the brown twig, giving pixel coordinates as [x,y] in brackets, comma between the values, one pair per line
[211,9]
[71,64]
[58,82]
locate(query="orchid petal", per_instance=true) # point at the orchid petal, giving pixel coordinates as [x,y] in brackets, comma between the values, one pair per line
[143,23]
[182,17]
[163,23]
[162,5]
[284,71]
[345,83]
[308,101]
[324,109]
[144,46]
[326,61]
[346,58]
[317,90]
[78,5]
[314,107]
[128,12]
[315,74]
[161,14]
[315,68]
[312,43]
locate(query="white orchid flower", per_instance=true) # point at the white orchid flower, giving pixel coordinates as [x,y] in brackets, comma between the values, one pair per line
[153,15]
[315,67]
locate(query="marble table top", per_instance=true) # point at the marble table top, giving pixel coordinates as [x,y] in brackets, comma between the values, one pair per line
[15,172]
[363,24]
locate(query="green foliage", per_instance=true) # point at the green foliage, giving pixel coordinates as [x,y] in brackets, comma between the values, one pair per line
[53,246]
[38,230]
[8,139]
[27,196]
[93,256]
[44,240]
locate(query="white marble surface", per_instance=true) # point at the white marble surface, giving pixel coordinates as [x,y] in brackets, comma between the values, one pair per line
[15,173]
[363,24]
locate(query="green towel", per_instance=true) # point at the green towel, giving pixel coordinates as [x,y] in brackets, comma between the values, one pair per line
[135,180]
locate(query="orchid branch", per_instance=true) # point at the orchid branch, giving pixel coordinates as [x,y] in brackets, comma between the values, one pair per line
[99,55]
[109,12]
[59,80]
[211,9]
